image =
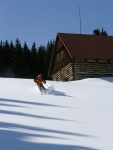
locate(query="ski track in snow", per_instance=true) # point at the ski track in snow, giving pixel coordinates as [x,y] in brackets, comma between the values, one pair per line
[74,115]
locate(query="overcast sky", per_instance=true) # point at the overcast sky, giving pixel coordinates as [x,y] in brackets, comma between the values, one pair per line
[40,20]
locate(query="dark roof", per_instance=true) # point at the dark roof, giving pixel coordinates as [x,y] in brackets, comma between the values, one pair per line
[88,46]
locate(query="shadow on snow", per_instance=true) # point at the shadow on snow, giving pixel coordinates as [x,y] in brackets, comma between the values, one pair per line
[11,140]
[58,93]
[109,79]
[28,103]
[29,115]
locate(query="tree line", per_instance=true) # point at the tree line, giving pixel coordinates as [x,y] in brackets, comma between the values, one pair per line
[17,61]
[100,32]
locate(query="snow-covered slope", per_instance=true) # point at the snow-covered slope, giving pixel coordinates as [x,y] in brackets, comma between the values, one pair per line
[76,115]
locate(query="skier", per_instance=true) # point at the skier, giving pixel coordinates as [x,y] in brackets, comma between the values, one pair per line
[39,81]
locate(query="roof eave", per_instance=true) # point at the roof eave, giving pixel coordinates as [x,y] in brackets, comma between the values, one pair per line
[64,45]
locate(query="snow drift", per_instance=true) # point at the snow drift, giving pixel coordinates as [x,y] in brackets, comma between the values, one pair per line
[75,115]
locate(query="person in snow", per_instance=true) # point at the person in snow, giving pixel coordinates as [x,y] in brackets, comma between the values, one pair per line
[39,80]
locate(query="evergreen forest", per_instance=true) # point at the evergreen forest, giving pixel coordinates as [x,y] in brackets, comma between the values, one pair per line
[17,61]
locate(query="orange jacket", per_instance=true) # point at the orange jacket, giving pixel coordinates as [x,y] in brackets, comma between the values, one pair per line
[39,81]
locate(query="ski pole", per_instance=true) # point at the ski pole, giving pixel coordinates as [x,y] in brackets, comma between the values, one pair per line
[47,86]
[29,87]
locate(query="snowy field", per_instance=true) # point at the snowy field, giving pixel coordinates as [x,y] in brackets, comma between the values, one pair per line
[76,115]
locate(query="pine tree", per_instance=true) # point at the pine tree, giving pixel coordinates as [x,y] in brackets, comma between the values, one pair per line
[26,61]
[33,61]
[41,55]
[13,54]
[19,60]
[98,32]
[49,49]
[1,58]
[103,32]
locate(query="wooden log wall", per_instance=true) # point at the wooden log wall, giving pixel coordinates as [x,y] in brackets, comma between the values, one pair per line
[92,69]
[65,74]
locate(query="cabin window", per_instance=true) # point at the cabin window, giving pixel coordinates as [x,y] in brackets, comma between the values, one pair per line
[62,54]
[58,60]
[58,57]
[83,69]
[96,69]
[109,69]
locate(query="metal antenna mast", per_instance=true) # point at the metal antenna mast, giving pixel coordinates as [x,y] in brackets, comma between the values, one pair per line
[80,19]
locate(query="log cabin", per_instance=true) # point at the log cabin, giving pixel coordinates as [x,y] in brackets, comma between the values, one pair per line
[79,56]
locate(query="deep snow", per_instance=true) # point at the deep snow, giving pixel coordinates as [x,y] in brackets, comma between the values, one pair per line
[76,115]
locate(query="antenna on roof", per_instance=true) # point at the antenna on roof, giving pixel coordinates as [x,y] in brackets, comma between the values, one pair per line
[80,19]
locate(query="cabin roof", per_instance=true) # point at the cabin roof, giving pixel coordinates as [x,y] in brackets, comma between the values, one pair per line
[88,46]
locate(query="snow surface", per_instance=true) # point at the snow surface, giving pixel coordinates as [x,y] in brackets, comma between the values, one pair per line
[75,115]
